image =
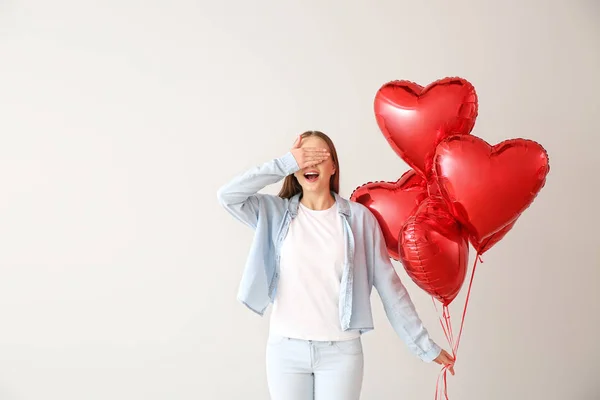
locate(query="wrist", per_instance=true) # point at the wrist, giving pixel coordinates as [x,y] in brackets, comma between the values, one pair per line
[290,165]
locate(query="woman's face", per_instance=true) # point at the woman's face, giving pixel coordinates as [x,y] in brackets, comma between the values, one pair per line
[316,178]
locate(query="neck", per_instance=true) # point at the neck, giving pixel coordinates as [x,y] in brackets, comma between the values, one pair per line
[318,200]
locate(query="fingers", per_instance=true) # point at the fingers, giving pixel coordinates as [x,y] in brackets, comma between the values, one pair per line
[315,150]
[312,157]
[447,360]
[312,162]
[309,156]
[315,157]
[297,143]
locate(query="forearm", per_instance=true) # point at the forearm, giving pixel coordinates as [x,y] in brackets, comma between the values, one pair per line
[397,303]
[239,196]
[252,181]
[403,316]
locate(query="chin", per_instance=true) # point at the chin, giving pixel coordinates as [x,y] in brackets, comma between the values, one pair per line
[315,188]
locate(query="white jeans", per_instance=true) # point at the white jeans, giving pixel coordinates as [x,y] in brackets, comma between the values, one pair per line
[311,370]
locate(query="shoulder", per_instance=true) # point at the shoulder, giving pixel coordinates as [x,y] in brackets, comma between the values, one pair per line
[358,208]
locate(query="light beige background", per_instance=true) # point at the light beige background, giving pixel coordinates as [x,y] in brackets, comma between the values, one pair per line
[120,119]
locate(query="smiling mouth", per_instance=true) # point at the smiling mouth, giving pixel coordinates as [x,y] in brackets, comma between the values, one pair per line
[311,176]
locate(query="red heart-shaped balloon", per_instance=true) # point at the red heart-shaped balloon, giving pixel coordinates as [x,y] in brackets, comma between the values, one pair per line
[415,119]
[434,250]
[491,240]
[392,203]
[488,187]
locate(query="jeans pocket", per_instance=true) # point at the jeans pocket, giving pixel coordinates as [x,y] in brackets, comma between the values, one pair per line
[349,347]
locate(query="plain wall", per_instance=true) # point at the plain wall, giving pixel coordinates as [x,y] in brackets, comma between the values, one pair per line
[119,120]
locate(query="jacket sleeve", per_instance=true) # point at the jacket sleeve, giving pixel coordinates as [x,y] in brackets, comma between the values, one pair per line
[397,303]
[240,195]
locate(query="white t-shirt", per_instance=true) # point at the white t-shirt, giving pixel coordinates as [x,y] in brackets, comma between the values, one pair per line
[312,258]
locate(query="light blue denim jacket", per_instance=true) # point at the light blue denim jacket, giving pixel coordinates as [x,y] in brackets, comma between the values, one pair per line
[366,263]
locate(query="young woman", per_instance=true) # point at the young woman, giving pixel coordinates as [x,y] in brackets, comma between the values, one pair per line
[316,257]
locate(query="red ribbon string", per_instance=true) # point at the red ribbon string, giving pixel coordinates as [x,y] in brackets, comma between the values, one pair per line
[441,388]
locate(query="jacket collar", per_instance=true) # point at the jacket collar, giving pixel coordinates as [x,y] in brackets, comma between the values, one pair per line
[343,205]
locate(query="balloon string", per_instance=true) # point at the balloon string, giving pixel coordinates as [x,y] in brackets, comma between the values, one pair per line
[441,389]
[444,322]
[449,325]
[462,322]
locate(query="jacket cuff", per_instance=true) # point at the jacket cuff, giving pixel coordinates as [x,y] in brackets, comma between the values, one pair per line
[431,354]
[289,163]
